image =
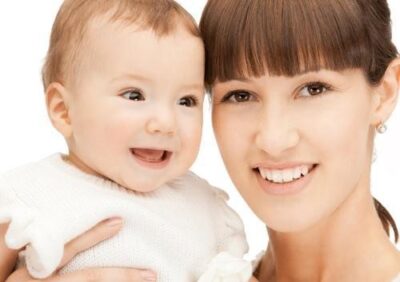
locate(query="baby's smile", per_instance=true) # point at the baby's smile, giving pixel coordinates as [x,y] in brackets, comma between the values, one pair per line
[151,158]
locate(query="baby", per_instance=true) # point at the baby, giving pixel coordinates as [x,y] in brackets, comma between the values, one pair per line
[124,86]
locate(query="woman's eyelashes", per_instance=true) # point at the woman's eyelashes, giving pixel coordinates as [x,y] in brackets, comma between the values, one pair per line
[313,89]
[238,96]
[133,95]
[309,89]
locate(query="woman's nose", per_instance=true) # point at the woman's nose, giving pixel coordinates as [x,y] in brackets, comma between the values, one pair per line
[276,133]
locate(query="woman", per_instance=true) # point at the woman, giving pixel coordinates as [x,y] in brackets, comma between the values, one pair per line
[299,89]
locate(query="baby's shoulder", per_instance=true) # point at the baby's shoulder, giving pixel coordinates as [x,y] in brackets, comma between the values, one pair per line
[25,177]
[31,169]
[194,182]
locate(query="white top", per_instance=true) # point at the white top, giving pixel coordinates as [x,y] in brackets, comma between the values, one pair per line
[175,231]
[397,279]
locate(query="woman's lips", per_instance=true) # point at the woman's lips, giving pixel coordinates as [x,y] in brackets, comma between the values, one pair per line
[151,158]
[284,185]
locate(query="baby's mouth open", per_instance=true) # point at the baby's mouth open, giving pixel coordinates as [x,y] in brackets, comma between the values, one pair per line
[151,155]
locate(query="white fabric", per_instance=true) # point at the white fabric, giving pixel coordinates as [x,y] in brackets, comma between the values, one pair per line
[175,230]
[227,268]
[397,279]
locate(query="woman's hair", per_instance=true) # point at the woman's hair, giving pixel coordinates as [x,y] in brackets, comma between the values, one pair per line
[284,37]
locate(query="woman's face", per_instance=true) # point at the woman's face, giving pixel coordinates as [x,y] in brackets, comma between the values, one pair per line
[295,147]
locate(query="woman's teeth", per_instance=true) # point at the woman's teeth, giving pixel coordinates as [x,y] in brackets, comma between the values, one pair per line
[285,175]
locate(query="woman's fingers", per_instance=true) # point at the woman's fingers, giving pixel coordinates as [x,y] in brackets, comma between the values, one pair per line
[102,231]
[20,275]
[90,275]
[7,257]
[92,237]
[105,274]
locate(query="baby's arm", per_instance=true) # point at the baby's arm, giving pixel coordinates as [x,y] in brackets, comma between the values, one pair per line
[230,228]
[8,258]
[228,264]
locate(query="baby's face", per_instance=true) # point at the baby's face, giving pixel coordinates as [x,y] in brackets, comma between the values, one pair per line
[136,105]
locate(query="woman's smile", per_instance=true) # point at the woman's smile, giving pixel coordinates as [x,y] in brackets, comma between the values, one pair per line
[285,179]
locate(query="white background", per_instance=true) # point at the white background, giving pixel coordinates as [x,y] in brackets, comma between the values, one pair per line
[27,135]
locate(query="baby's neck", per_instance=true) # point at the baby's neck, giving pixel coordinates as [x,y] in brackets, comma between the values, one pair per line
[351,245]
[75,161]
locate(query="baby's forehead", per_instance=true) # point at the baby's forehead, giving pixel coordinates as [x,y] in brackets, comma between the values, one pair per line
[76,20]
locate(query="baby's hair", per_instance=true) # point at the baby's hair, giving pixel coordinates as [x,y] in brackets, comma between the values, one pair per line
[284,37]
[74,17]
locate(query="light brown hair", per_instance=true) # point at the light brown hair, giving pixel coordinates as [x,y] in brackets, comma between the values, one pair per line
[74,17]
[287,37]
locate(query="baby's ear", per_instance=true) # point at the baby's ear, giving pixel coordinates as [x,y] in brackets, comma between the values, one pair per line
[385,96]
[57,108]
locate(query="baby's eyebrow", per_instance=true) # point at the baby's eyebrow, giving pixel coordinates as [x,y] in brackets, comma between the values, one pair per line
[131,77]
[194,86]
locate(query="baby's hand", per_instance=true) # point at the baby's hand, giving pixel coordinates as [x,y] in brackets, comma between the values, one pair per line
[99,233]
[225,268]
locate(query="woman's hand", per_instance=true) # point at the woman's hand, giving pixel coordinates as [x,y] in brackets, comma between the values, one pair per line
[8,257]
[97,234]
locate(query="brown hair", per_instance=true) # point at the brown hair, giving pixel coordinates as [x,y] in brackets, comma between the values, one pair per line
[74,17]
[284,37]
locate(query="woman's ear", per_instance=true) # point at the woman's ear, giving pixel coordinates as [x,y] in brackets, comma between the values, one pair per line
[385,96]
[57,108]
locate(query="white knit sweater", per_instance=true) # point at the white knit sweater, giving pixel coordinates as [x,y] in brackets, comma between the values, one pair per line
[175,230]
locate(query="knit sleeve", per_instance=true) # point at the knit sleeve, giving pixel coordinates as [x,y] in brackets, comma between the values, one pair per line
[43,252]
[228,265]
[230,229]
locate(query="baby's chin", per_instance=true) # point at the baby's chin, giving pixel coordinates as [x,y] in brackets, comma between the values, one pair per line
[146,184]
[139,187]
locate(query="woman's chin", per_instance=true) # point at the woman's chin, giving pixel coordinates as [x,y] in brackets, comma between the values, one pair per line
[290,224]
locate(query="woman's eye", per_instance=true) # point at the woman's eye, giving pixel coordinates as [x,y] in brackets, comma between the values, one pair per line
[314,89]
[188,101]
[238,96]
[133,95]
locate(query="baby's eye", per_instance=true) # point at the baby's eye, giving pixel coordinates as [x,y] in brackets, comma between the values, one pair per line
[133,95]
[238,96]
[314,89]
[188,101]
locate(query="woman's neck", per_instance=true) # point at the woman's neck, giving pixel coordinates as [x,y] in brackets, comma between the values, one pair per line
[350,245]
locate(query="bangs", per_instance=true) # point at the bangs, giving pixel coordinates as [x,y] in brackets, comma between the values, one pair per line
[278,37]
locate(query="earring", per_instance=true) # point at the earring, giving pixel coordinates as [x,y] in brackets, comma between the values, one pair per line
[381,128]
